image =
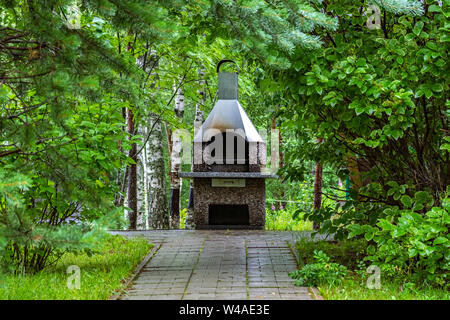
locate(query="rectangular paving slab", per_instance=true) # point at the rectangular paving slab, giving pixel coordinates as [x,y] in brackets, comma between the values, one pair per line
[217,264]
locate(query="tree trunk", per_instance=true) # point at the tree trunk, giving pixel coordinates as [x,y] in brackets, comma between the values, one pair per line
[153,200]
[132,178]
[122,173]
[198,120]
[158,217]
[141,218]
[318,188]
[279,193]
[175,164]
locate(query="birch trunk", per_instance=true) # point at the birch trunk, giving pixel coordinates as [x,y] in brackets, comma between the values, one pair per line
[141,182]
[279,193]
[149,190]
[175,164]
[198,120]
[158,217]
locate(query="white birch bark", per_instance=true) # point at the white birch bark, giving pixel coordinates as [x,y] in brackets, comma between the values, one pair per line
[176,141]
[146,182]
[199,117]
[175,184]
[141,178]
[126,180]
[152,200]
[158,217]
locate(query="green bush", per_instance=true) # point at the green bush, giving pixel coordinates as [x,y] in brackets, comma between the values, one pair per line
[319,273]
[410,242]
[345,252]
[38,224]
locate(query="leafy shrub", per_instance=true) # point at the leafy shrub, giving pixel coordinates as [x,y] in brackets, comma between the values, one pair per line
[59,195]
[319,273]
[334,220]
[345,252]
[407,241]
[31,239]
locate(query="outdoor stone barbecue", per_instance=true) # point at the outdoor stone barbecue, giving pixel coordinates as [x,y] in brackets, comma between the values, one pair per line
[229,165]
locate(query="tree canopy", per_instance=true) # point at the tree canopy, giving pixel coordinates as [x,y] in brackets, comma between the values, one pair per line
[88,86]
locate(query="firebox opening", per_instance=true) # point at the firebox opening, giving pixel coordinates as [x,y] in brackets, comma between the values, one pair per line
[228,214]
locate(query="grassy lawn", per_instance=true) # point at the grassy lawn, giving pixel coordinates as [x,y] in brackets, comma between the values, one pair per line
[281,220]
[102,274]
[350,253]
[356,289]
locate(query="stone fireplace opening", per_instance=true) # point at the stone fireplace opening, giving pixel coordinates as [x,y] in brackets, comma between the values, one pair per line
[228,214]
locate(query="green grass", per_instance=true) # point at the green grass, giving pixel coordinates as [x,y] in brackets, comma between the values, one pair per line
[183,215]
[350,253]
[102,274]
[356,289]
[281,220]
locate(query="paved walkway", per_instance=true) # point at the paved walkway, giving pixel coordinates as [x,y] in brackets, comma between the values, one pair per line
[216,264]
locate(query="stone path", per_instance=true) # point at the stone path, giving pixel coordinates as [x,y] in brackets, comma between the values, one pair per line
[216,264]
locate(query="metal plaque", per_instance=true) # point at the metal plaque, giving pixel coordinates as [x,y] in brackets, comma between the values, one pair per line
[228,183]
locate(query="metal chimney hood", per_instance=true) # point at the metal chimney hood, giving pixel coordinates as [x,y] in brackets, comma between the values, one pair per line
[228,112]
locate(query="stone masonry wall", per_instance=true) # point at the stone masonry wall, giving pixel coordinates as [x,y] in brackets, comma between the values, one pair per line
[253,195]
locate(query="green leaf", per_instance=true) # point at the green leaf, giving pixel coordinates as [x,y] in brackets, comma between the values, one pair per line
[437,87]
[318,90]
[385,225]
[412,252]
[371,249]
[130,160]
[361,62]
[355,230]
[440,240]
[409,36]
[428,93]
[445,146]
[359,110]
[407,201]
[398,232]
[434,8]
[424,198]
[392,184]
[368,236]
[418,28]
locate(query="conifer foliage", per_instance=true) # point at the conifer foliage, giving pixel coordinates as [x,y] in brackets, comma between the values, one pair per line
[63,84]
